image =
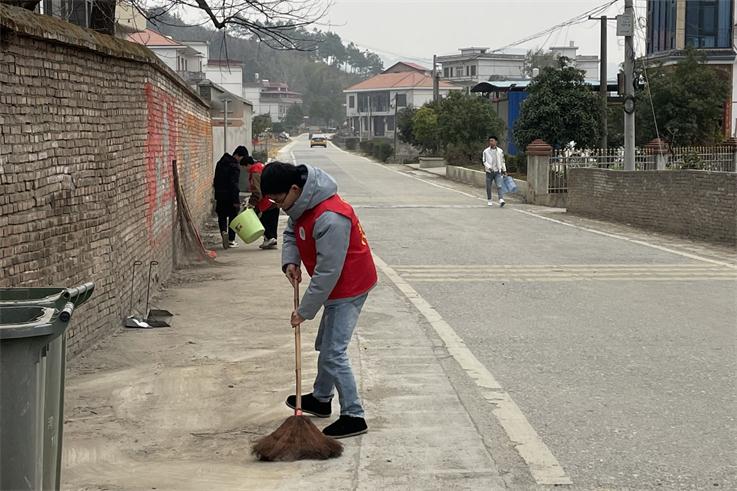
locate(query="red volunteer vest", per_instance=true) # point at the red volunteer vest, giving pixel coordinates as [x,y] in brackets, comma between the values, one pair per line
[257,168]
[359,272]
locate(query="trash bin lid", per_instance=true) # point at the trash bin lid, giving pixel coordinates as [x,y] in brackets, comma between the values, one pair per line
[29,321]
[24,296]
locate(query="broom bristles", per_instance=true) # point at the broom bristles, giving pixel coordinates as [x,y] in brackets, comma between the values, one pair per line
[297,439]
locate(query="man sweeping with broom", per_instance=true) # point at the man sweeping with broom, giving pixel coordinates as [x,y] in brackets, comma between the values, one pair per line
[324,234]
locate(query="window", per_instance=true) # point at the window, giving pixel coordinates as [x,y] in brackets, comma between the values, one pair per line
[661,26]
[390,123]
[401,100]
[459,71]
[468,70]
[446,72]
[352,101]
[709,23]
[373,102]
[363,103]
[473,70]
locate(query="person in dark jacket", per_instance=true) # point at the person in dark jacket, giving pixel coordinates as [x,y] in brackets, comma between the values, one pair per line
[227,196]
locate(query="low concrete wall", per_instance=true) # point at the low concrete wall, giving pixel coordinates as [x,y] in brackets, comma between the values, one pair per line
[691,203]
[432,162]
[478,178]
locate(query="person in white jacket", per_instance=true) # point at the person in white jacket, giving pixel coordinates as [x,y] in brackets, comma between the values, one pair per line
[496,168]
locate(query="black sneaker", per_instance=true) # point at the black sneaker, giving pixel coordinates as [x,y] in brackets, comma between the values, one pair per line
[346,426]
[310,405]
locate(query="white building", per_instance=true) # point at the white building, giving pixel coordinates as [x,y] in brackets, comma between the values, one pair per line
[219,82]
[371,105]
[273,98]
[226,73]
[177,56]
[474,65]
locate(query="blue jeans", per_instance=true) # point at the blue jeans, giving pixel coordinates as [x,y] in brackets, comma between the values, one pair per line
[495,177]
[333,366]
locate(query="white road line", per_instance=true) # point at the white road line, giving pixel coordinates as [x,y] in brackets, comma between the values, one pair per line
[540,274]
[633,241]
[551,279]
[585,229]
[562,267]
[543,466]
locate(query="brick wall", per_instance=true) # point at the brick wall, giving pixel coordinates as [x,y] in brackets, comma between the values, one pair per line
[695,204]
[89,127]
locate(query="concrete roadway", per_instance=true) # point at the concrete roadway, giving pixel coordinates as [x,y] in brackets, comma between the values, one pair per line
[599,359]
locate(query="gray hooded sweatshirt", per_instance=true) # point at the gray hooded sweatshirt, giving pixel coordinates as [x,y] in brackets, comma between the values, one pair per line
[332,235]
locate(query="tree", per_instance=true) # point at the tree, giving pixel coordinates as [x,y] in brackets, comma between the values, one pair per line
[465,123]
[374,63]
[261,123]
[324,96]
[560,108]
[425,128]
[688,102]
[294,117]
[404,125]
[538,59]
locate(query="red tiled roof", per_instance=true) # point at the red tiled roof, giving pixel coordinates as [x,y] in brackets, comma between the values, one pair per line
[152,38]
[401,66]
[403,80]
[415,65]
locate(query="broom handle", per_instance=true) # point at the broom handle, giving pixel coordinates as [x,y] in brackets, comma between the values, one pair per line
[298,355]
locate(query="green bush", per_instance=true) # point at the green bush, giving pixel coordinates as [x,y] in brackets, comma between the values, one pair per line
[382,150]
[516,163]
[351,143]
[464,153]
[366,146]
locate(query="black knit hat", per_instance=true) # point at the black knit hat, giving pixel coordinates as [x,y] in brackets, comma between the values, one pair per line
[279,177]
[241,151]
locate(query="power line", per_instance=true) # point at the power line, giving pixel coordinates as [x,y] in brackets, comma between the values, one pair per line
[574,20]
[547,32]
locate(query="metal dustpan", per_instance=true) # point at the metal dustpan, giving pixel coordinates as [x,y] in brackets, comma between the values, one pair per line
[159,318]
[137,322]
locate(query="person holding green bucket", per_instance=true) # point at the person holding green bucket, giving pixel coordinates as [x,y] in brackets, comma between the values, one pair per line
[324,234]
[266,210]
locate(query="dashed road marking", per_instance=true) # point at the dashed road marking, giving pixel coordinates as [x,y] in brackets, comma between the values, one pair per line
[576,272]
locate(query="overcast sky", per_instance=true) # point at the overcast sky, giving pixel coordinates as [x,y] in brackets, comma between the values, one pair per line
[414,30]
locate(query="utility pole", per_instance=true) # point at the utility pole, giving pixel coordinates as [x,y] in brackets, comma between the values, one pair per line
[435,79]
[396,130]
[603,92]
[626,28]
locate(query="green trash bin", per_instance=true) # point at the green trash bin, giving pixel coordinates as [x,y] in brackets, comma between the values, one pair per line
[33,322]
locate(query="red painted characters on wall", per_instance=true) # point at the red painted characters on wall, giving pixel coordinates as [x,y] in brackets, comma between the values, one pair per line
[161,151]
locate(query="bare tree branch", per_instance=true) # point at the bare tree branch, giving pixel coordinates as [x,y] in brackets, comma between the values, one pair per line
[279,24]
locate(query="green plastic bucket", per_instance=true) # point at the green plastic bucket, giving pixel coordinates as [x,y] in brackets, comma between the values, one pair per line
[248,226]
